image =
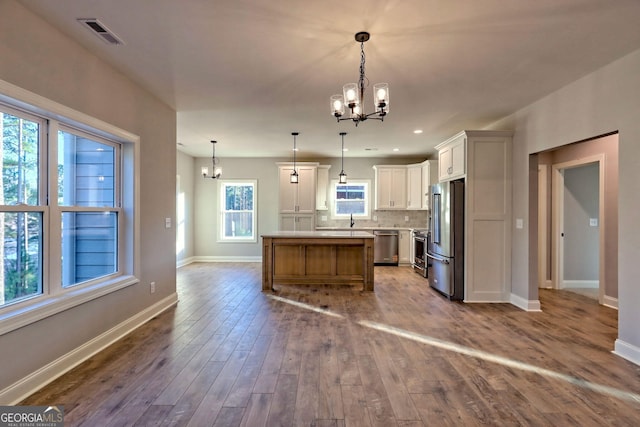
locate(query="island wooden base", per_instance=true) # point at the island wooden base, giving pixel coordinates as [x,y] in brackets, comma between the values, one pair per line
[292,260]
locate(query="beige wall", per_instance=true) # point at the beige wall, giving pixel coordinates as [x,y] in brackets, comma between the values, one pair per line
[602,102]
[38,58]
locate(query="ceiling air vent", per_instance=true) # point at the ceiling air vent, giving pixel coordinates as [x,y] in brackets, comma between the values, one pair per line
[99,29]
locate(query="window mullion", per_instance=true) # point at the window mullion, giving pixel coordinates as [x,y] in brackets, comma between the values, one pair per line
[53,217]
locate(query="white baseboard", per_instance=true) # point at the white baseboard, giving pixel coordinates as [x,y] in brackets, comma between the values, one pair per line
[524,304]
[610,302]
[589,284]
[184,261]
[227,259]
[18,391]
[627,351]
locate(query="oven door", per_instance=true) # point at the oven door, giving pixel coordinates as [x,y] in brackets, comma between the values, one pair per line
[419,261]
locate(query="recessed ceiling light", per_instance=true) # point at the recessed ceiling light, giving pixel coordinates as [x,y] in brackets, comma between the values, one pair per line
[396,149]
[417,131]
[345,149]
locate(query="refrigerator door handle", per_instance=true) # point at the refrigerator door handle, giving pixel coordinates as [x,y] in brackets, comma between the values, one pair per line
[437,212]
[445,261]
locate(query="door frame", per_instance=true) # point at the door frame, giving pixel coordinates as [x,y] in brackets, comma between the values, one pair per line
[557,243]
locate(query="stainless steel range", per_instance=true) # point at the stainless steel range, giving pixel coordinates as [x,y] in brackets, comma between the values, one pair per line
[420,243]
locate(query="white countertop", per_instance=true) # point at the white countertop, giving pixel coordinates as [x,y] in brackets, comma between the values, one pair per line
[368,228]
[328,234]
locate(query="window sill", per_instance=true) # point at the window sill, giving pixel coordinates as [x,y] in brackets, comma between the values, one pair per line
[13,318]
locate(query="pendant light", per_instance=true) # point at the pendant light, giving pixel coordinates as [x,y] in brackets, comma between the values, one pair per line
[215,170]
[293,178]
[343,176]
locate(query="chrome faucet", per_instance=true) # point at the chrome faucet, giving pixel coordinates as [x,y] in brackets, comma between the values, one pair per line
[352,221]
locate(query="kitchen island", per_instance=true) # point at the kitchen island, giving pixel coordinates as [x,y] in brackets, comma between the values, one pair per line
[317,257]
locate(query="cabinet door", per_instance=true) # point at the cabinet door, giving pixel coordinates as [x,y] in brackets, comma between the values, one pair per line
[383,188]
[289,222]
[398,195]
[414,187]
[306,196]
[287,191]
[429,177]
[444,164]
[305,223]
[404,247]
[322,189]
[451,160]
[458,157]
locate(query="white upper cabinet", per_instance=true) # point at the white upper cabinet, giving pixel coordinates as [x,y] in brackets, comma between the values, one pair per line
[322,184]
[414,186]
[452,158]
[391,187]
[301,197]
[429,176]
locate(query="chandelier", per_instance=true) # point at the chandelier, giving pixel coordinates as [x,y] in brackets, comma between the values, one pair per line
[353,94]
[215,170]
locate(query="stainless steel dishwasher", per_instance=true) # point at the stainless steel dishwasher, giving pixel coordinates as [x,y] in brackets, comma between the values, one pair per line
[385,247]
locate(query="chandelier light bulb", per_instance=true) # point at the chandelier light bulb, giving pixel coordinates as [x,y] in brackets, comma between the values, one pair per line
[337,105]
[381,94]
[351,95]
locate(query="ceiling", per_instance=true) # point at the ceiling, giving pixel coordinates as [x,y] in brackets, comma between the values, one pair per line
[249,72]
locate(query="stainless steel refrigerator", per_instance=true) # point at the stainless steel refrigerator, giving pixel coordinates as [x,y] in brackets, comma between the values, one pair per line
[445,251]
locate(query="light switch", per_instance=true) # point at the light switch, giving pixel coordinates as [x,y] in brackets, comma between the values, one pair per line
[167,223]
[519,223]
[593,222]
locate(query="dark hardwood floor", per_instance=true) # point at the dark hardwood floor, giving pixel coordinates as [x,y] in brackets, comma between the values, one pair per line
[231,355]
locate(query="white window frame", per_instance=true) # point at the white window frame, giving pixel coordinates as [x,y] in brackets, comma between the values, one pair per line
[221,212]
[367,200]
[55,298]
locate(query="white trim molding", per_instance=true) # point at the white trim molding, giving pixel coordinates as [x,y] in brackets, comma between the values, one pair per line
[185,261]
[19,390]
[524,304]
[225,258]
[580,284]
[610,302]
[627,351]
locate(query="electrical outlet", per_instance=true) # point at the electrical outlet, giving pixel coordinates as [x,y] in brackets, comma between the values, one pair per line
[167,223]
[323,218]
[152,287]
[406,218]
[519,223]
[593,222]
[375,217]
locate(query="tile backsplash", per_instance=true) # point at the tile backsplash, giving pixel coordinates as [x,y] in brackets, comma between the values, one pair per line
[416,219]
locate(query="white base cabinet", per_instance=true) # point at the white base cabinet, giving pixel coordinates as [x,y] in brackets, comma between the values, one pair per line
[404,247]
[292,222]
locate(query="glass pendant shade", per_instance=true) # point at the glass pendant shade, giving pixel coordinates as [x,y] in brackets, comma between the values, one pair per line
[381,97]
[351,95]
[293,178]
[342,178]
[337,105]
[205,171]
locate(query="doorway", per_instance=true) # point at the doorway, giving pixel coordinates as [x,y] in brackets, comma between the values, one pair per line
[548,194]
[577,226]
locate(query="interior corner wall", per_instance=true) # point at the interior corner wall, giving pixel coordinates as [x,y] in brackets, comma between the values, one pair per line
[604,101]
[185,207]
[40,59]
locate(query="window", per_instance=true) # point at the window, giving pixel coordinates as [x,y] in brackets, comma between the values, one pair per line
[89,206]
[68,209]
[237,208]
[351,199]
[21,210]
